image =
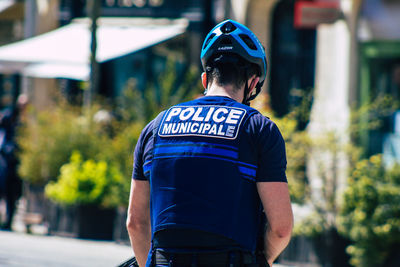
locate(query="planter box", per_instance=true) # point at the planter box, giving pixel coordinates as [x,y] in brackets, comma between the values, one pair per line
[95,222]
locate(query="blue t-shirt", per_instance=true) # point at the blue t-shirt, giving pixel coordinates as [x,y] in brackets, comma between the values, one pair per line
[266,138]
[203,159]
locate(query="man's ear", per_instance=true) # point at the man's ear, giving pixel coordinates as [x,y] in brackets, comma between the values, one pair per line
[253,82]
[204,80]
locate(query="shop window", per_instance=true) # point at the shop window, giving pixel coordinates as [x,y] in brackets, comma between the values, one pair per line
[9,90]
[292,60]
[385,82]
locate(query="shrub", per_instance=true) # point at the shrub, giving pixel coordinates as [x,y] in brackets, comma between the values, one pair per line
[49,140]
[86,182]
[119,152]
[49,137]
[370,214]
[297,146]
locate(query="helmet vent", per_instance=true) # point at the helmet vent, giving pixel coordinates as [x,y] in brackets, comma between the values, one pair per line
[208,40]
[225,41]
[245,38]
[228,27]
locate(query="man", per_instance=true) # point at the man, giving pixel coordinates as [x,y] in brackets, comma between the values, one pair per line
[206,170]
[9,122]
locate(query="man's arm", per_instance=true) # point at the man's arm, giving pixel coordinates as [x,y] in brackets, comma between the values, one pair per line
[138,220]
[276,202]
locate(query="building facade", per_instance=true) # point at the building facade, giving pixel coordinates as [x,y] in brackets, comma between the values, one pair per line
[346,52]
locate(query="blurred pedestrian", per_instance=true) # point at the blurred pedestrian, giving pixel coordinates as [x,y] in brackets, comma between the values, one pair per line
[206,169]
[3,163]
[12,190]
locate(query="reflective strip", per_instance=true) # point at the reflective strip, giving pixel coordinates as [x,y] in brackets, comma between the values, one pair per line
[247,171]
[197,144]
[207,151]
[193,150]
[249,178]
[147,166]
[194,156]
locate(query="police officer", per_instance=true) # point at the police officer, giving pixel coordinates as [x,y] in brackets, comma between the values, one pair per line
[209,171]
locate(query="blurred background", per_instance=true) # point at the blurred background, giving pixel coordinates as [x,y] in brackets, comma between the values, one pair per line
[79,80]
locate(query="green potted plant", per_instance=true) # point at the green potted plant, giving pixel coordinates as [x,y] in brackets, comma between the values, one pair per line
[93,187]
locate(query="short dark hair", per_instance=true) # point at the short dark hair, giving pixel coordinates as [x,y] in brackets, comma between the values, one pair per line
[230,69]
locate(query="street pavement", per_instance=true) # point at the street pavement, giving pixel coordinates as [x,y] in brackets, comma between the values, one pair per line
[19,249]
[22,250]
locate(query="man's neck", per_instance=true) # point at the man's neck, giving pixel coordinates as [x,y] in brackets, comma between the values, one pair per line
[216,90]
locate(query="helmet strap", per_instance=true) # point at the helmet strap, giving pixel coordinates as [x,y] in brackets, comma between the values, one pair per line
[246,101]
[257,90]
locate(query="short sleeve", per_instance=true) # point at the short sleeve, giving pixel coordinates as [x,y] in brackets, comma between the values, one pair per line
[271,151]
[143,153]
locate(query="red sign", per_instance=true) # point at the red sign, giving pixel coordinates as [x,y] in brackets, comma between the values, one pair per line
[310,14]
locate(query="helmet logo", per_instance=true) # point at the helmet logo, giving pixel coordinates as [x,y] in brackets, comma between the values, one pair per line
[224,48]
[228,27]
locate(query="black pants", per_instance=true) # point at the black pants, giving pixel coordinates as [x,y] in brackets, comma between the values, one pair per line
[207,259]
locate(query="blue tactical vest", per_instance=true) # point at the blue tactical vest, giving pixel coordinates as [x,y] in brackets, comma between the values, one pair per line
[203,171]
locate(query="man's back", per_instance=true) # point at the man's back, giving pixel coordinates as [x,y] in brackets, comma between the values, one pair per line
[205,169]
[202,164]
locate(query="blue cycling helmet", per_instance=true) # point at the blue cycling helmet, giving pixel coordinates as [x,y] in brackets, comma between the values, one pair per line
[230,36]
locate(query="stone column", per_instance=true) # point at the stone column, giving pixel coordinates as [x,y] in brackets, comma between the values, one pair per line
[329,124]
[41,16]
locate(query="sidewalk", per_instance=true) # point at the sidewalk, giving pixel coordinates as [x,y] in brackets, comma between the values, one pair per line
[23,250]
[18,249]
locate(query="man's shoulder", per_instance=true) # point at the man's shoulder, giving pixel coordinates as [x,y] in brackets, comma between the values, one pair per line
[261,123]
[153,123]
[146,135]
[261,118]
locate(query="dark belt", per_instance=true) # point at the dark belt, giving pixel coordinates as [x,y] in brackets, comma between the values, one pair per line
[206,259]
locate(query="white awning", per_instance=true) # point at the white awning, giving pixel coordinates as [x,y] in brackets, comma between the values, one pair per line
[57,70]
[5,4]
[65,52]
